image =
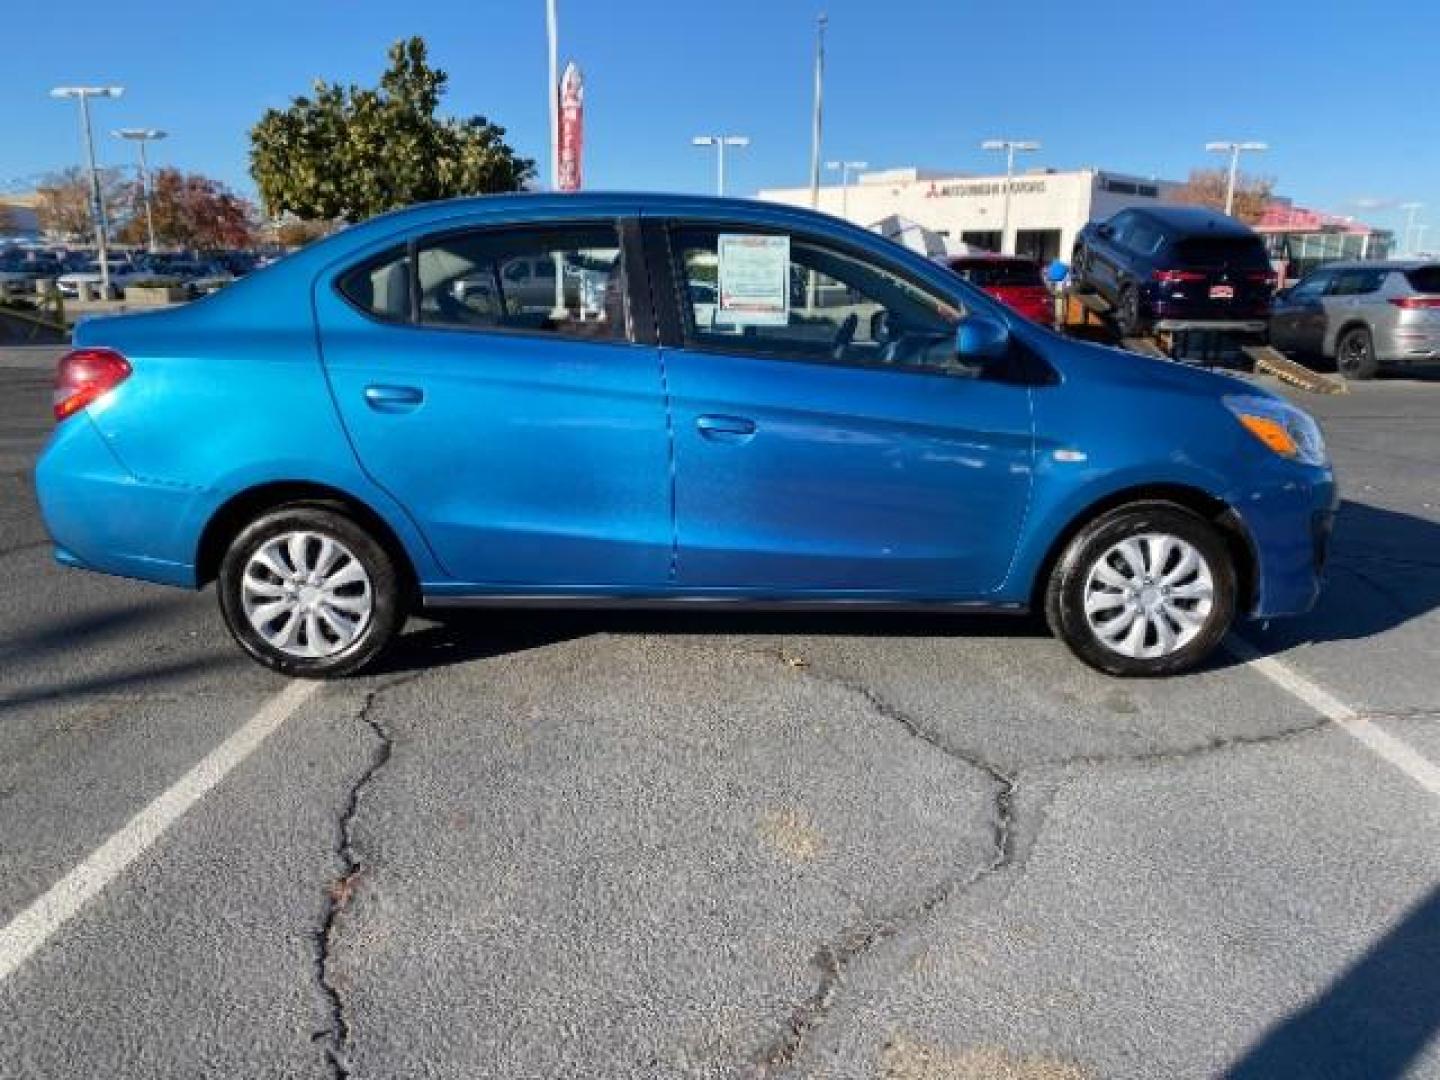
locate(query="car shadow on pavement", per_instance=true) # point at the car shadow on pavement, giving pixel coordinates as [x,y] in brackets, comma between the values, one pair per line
[458,637]
[1372,1022]
[1384,571]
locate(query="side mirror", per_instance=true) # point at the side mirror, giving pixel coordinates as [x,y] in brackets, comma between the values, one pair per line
[1105,229]
[981,339]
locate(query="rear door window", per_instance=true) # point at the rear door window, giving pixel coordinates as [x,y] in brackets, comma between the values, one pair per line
[505,279]
[1357,281]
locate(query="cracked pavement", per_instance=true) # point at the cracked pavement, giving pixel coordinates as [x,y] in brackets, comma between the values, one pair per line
[662,845]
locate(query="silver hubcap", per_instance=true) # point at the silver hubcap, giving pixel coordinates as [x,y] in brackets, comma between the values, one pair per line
[307,595]
[1149,595]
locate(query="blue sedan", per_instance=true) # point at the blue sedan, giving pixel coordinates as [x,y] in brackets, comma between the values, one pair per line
[640,399]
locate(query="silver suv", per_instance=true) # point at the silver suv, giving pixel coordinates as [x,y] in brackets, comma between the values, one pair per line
[1362,314]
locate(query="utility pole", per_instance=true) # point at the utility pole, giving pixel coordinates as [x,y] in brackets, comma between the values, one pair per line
[97,201]
[1009,146]
[1411,209]
[816,117]
[1234,149]
[141,136]
[720,142]
[846,167]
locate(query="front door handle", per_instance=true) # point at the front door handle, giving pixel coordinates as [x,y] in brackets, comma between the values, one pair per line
[725,428]
[394,399]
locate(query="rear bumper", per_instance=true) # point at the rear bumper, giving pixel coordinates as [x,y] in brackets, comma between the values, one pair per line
[101,517]
[1404,344]
[1214,314]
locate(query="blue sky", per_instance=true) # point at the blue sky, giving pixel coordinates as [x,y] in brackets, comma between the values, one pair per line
[1346,99]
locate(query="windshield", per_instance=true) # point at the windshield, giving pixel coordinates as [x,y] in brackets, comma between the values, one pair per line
[1218,250]
[1424,279]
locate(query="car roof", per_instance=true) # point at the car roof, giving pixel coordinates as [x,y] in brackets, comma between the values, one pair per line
[1194,219]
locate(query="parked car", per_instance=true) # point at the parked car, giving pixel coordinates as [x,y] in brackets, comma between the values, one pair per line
[1176,268]
[123,273]
[1016,282]
[1362,315]
[337,442]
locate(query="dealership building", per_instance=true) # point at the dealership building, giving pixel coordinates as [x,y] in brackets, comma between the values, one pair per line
[1047,207]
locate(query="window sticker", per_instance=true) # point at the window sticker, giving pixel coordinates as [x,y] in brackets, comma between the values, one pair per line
[754,279]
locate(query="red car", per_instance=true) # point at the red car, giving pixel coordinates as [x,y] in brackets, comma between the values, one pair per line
[1015,281]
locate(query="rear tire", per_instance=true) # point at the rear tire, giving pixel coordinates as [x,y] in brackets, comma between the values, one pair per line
[308,592]
[1145,590]
[1127,313]
[1355,355]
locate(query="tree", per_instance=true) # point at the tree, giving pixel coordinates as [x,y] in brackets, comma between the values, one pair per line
[63,204]
[350,152]
[190,211]
[1206,187]
[292,232]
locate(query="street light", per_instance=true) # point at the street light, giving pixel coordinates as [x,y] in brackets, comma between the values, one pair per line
[97,202]
[141,136]
[720,142]
[846,167]
[816,112]
[1234,149]
[1411,209]
[1009,146]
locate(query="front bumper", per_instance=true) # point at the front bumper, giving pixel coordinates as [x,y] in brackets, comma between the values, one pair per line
[1289,525]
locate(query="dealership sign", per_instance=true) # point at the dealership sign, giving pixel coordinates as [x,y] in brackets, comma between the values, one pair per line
[572,127]
[981,188]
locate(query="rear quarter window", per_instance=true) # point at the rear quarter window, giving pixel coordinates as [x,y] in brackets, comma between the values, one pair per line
[380,287]
[1424,279]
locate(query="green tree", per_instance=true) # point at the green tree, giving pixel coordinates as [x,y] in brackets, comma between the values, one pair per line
[350,152]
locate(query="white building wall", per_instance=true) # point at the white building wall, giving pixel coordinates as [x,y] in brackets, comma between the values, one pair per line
[955,204]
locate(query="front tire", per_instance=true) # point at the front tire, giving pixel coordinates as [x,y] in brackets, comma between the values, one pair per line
[1355,355]
[308,592]
[1145,590]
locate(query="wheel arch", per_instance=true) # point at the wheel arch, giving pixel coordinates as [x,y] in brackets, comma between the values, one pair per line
[1332,347]
[245,506]
[1214,510]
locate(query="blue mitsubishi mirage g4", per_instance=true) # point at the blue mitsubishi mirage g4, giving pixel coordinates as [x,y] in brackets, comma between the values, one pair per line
[638,399]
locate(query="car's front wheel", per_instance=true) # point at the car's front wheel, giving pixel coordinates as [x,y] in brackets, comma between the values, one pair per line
[1147,589]
[1355,354]
[308,592]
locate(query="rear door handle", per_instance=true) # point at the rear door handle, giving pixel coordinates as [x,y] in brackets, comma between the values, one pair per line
[394,399]
[725,428]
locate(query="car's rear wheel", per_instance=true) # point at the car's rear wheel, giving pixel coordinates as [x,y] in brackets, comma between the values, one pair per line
[1127,313]
[1147,589]
[308,592]
[1355,354]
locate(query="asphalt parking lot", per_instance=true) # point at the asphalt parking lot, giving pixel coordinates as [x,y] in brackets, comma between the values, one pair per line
[540,845]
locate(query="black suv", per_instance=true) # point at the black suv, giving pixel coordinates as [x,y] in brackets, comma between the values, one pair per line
[1176,268]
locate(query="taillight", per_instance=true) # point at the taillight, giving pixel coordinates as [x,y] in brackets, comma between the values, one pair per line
[1264,277]
[1412,303]
[85,374]
[1176,277]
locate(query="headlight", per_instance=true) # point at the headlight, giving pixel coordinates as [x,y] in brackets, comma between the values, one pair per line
[1290,432]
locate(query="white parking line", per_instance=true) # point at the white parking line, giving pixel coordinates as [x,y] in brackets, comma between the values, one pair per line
[1381,743]
[29,930]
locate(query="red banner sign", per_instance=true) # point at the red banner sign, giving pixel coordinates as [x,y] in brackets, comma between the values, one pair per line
[572,127]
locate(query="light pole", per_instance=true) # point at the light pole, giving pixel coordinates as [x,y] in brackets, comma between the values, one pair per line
[1009,146]
[1234,149]
[97,201]
[720,142]
[845,168]
[1411,209]
[141,136]
[815,118]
